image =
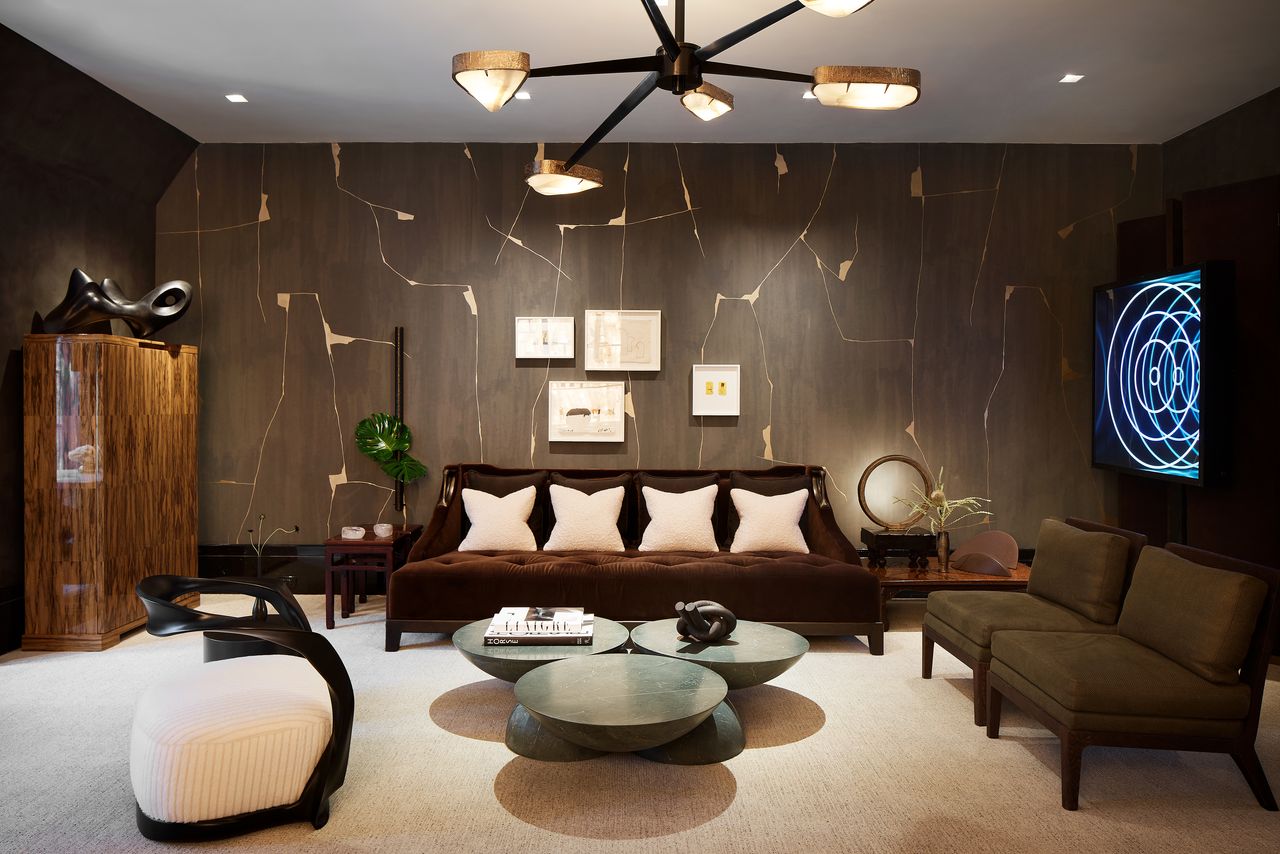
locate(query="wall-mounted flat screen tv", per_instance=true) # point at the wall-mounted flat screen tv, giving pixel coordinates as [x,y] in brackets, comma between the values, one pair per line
[1154,370]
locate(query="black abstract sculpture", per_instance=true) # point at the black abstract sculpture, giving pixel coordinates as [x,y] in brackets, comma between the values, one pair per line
[704,621]
[88,302]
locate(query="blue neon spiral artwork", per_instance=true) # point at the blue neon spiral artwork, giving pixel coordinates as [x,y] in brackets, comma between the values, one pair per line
[1149,335]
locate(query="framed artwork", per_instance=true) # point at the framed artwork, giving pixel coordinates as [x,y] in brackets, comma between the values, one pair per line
[585,412]
[717,389]
[544,337]
[623,340]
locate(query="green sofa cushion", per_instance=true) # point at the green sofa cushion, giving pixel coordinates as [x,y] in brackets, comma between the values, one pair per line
[1080,570]
[1201,617]
[975,614]
[1113,675]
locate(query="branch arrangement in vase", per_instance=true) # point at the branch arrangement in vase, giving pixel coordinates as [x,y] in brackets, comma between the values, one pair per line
[943,513]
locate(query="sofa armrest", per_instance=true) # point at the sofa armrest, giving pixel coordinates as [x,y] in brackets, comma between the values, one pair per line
[825,536]
[444,532]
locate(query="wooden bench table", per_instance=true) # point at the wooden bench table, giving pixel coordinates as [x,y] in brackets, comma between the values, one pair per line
[896,579]
[380,555]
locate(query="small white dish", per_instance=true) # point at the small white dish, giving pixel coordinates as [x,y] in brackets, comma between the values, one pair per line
[353,532]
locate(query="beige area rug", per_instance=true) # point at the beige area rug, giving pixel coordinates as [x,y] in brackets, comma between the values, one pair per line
[845,753]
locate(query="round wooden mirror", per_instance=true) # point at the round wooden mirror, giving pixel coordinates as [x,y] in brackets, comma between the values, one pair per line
[925,478]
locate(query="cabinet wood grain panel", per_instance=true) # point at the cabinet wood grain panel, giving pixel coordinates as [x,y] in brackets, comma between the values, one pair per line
[123,505]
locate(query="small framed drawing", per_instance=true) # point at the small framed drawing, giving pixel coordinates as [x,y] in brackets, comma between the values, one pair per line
[717,389]
[585,412]
[544,337]
[623,340]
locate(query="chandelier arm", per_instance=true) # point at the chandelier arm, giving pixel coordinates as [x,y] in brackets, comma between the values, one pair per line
[750,71]
[745,32]
[669,45]
[638,94]
[605,66]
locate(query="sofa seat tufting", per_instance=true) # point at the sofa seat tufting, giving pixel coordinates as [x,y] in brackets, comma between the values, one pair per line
[823,592]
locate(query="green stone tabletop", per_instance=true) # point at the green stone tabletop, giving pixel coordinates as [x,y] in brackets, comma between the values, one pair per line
[753,654]
[620,702]
[509,663]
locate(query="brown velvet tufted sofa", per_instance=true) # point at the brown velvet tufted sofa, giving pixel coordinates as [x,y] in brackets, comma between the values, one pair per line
[825,592]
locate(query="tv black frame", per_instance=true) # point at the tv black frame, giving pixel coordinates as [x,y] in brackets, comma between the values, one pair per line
[1217,280]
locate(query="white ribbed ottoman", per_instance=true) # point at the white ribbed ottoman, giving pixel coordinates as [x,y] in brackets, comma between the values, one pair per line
[228,737]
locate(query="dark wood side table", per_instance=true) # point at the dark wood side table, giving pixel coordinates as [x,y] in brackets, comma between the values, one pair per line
[896,579]
[915,545]
[380,555]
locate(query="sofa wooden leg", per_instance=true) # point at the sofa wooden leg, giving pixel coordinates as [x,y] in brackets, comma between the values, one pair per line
[1247,760]
[393,639]
[995,703]
[980,693]
[1072,748]
[926,657]
[875,639]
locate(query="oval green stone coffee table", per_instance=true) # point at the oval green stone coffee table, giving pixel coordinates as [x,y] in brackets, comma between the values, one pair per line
[585,706]
[509,663]
[753,654]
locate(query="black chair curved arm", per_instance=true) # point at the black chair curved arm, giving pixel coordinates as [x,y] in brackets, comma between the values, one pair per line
[331,769]
[166,617]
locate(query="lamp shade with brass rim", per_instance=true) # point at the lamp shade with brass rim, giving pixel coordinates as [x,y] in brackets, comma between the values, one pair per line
[707,102]
[836,8]
[550,178]
[866,87]
[492,77]
[862,491]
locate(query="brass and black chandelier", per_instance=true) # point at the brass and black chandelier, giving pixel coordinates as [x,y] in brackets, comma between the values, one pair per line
[493,77]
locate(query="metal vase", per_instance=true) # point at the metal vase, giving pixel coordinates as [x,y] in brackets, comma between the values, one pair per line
[944,551]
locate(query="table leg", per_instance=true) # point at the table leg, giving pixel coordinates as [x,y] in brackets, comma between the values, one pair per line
[346,593]
[885,595]
[364,597]
[328,597]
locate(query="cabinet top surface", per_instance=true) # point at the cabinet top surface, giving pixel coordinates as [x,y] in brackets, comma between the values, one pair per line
[117,340]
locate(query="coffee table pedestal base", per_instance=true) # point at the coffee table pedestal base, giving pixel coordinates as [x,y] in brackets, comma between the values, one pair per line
[529,738]
[716,739]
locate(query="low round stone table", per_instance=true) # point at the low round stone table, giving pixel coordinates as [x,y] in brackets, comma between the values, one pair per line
[509,663]
[583,707]
[753,654]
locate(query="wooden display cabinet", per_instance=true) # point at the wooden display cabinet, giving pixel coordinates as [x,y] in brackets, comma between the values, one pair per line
[109,481]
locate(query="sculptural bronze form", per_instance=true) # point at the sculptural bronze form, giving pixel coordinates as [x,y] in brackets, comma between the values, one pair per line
[704,621]
[88,302]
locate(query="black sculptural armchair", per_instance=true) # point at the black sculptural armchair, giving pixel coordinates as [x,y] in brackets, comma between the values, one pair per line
[240,677]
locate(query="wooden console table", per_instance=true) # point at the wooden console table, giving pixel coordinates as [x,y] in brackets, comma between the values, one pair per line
[896,579]
[381,555]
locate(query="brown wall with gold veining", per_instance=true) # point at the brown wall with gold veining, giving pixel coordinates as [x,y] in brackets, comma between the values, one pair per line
[931,300]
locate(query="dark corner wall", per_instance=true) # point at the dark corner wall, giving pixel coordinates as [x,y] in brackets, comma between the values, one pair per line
[1238,145]
[81,169]
[930,300]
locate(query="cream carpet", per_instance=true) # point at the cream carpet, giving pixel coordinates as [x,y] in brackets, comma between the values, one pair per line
[845,753]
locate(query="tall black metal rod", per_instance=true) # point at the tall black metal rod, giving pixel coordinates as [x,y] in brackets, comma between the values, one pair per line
[638,94]
[397,394]
[679,21]
[727,41]
[669,45]
[606,66]
[751,71]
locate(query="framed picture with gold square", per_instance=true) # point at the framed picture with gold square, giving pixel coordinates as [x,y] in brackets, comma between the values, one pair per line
[717,389]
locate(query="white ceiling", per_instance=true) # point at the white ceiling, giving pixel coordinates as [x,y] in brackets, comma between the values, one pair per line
[378,70]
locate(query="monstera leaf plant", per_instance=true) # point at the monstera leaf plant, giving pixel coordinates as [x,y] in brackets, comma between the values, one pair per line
[386,440]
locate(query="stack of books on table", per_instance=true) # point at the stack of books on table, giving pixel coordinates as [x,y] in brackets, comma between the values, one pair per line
[541,626]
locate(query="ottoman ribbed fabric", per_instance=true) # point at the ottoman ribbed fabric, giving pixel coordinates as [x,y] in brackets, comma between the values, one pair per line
[228,737]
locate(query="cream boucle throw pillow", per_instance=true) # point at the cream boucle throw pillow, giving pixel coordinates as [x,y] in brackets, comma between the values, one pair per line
[769,523]
[680,521]
[585,522]
[499,524]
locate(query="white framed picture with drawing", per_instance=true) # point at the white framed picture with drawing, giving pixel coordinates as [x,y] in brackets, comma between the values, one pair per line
[586,412]
[622,340]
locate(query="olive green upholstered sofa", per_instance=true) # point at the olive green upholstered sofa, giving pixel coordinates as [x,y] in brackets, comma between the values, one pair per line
[1077,583]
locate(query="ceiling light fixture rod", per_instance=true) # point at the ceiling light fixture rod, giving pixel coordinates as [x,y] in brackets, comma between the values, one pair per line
[604,66]
[669,45]
[742,33]
[679,21]
[638,94]
[751,71]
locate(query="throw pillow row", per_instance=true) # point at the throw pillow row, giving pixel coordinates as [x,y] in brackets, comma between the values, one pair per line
[678,521]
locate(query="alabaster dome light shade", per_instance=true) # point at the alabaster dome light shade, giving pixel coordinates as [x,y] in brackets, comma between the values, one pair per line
[491,76]
[866,87]
[707,102]
[550,178]
[835,8]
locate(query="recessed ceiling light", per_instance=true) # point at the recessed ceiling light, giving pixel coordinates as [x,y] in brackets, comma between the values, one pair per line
[523,96]
[1071,78]
[237,99]
[809,96]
